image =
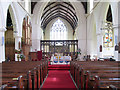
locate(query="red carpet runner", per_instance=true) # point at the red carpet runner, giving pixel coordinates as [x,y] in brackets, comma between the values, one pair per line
[59,67]
[59,79]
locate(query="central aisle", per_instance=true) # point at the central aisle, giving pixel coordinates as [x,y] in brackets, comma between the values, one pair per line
[59,79]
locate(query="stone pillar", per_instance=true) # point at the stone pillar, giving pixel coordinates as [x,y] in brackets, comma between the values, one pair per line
[17,40]
[118,29]
[35,45]
[36,37]
[99,42]
[115,43]
[116,18]
[2,44]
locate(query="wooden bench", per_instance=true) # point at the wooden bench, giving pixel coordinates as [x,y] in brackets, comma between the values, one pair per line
[25,74]
[91,74]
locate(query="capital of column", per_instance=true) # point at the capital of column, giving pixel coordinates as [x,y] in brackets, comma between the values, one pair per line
[3,29]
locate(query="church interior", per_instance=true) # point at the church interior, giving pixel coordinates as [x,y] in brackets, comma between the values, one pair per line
[60,44]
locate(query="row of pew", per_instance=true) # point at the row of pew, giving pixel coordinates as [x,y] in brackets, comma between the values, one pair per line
[23,75]
[96,75]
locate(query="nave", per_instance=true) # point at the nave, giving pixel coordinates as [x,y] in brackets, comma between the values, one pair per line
[66,44]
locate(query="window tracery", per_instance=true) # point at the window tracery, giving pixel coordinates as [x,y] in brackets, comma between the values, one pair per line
[108,35]
[58,31]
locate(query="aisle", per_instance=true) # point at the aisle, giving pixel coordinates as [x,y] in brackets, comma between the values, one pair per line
[58,67]
[59,79]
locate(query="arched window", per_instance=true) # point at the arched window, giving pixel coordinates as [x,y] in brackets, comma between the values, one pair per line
[58,31]
[108,36]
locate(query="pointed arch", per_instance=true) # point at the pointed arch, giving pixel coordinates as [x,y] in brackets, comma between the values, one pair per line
[109,14]
[13,17]
[58,30]
[108,33]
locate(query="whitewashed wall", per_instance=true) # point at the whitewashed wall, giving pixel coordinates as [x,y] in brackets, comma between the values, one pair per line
[97,17]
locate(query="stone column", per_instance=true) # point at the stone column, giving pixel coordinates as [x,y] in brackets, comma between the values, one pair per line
[116,23]
[17,40]
[36,37]
[99,42]
[2,44]
[118,59]
[116,43]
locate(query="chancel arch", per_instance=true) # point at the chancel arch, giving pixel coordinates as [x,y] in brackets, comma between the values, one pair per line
[80,27]
[68,42]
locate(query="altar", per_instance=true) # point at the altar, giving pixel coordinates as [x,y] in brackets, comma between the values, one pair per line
[60,59]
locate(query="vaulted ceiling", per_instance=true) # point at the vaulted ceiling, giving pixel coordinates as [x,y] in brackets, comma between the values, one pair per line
[59,9]
[63,10]
[83,3]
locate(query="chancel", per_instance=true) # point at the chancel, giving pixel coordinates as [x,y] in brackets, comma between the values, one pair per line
[60,44]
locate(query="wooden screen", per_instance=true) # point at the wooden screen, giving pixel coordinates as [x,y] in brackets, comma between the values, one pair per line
[66,47]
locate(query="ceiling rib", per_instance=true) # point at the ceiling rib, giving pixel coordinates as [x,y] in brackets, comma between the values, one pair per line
[63,10]
[61,16]
[57,10]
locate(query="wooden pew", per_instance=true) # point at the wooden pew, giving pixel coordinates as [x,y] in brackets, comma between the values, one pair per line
[79,71]
[15,69]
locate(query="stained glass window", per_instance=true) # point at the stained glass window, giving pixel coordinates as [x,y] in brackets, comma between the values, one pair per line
[108,35]
[58,31]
